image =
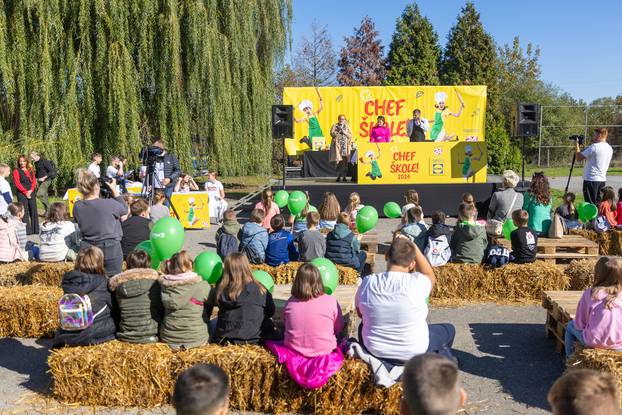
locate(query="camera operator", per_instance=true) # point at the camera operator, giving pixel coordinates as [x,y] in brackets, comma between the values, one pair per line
[166,170]
[99,219]
[598,156]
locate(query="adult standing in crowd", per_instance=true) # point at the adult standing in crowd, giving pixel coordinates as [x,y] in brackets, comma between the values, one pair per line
[99,219]
[416,127]
[341,146]
[598,156]
[506,200]
[166,170]
[46,172]
[24,178]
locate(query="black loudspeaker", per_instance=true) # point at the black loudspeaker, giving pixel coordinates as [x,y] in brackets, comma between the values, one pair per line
[526,120]
[282,121]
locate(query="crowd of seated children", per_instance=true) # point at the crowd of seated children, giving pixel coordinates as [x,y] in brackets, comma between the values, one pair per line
[524,240]
[469,240]
[343,247]
[59,237]
[137,227]
[329,211]
[281,248]
[311,242]
[158,209]
[254,238]
[269,208]
[227,235]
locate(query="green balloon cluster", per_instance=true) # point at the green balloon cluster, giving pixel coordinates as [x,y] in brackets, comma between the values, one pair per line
[209,266]
[508,227]
[280,198]
[329,273]
[587,212]
[296,202]
[366,219]
[392,210]
[167,238]
[148,248]
[264,279]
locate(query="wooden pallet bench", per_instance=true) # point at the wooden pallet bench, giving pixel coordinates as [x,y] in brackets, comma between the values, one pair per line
[369,242]
[560,309]
[566,249]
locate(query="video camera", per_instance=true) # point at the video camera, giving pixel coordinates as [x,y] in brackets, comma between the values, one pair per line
[578,138]
[150,154]
[104,190]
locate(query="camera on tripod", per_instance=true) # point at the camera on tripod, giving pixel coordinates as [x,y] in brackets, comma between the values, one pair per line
[580,139]
[149,155]
[104,190]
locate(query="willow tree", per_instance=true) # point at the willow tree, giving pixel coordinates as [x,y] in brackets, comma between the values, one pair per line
[107,75]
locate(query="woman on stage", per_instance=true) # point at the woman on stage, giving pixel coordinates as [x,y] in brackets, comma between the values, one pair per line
[310,117]
[340,146]
[380,133]
[25,182]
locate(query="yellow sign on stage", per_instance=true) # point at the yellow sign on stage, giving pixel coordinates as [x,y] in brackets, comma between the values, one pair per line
[192,208]
[401,163]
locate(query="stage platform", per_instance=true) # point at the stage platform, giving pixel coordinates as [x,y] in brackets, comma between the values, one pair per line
[445,196]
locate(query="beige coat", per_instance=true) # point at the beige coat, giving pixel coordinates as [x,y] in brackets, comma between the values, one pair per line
[334,155]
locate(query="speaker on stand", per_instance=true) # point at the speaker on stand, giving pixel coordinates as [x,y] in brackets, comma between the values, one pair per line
[525,123]
[282,128]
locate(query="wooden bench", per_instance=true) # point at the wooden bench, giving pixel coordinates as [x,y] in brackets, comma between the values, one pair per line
[568,248]
[369,242]
[560,309]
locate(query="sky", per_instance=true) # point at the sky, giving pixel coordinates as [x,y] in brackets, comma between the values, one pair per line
[580,41]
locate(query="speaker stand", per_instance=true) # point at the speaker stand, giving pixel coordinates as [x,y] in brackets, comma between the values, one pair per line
[284,163]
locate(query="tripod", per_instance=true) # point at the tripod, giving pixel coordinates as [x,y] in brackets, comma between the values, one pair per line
[150,181]
[574,159]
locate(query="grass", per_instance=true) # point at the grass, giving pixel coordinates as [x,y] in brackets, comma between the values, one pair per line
[564,171]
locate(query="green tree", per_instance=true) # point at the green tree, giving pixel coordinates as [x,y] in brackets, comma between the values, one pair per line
[361,60]
[414,53]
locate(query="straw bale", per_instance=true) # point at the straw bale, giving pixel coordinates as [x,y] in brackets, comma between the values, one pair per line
[602,360]
[609,243]
[117,374]
[285,273]
[10,274]
[29,311]
[513,282]
[581,273]
[27,273]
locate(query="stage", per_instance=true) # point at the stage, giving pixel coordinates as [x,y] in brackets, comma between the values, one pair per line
[442,196]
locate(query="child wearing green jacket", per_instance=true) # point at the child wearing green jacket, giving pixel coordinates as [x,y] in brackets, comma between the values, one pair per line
[469,240]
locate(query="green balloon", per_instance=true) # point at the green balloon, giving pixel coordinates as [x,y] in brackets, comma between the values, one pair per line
[297,202]
[167,237]
[264,279]
[329,273]
[209,266]
[148,248]
[508,227]
[366,219]
[280,198]
[587,212]
[392,210]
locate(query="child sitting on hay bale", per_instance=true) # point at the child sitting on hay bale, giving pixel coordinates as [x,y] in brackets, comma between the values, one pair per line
[598,319]
[311,242]
[313,321]
[88,281]
[254,238]
[184,294]
[414,229]
[245,307]
[59,236]
[524,240]
[343,247]
[137,227]
[281,248]
[431,386]
[138,296]
[469,240]
[202,390]
[227,235]
[584,392]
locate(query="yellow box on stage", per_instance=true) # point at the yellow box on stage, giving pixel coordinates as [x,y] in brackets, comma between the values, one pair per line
[192,208]
[72,196]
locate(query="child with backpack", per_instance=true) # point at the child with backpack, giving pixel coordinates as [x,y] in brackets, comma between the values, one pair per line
[414,230]
[245,307]
[227,235]
[85,309]
[281,248]
[469,240]
[606,208]
[184,294]
[137,293]
[254,238]
[343,247]
[438,237]
[524,240]
[311,243]
[58,235]
[496,255]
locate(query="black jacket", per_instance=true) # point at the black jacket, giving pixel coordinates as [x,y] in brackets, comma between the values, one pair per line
[135,230]
[438,229]
[45,168]
[103,328]
[172,170]
[245,319]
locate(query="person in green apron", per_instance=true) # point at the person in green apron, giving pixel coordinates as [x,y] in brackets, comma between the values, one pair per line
[374,170]
[438,133]
[311,119]
[467,164]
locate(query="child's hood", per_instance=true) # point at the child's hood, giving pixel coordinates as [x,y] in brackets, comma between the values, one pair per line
[231,227]
[471,231]
[78,282]
[252,228]
[341,230]
[133,282]
[438,229]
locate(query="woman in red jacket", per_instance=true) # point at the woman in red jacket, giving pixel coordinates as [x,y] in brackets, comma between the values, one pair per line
[25,183]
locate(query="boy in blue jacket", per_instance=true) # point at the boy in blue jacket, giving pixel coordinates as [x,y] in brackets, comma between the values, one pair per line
[281,248]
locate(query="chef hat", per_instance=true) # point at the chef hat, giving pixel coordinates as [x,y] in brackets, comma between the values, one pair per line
[305,104]
[440,97]
[369,154]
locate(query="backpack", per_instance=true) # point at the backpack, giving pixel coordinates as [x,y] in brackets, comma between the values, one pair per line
[497,256]
[600,224]
[437,251]
[75,312]
[226,244]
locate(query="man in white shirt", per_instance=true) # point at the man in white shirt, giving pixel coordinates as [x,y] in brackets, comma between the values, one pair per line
[598,156]
[417,127]
[94,168]
[393,308]
[216,197]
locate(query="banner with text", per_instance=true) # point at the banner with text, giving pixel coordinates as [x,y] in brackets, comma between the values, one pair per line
[451,113]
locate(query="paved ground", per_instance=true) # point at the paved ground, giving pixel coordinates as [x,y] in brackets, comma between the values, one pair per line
[576,183]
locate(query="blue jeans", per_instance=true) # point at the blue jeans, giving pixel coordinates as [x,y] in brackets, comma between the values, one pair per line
[572,334]
[441,339]
[168,191]
[362,257]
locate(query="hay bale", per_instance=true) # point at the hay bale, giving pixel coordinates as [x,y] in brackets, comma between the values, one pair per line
[513,282]
[609,243]
[285,273]
[117,374]
[581,273]
[10,274]
[27,273]
[602,360]
[29,311]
